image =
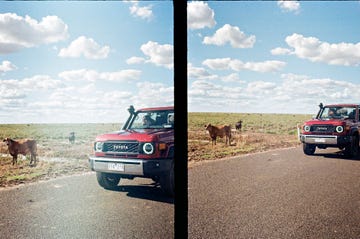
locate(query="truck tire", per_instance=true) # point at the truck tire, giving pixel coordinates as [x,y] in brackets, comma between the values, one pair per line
[167,182]
[108,180]
[352,150]
[309,149]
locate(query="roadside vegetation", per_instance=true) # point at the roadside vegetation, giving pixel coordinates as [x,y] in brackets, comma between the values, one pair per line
[57,157]
[260,132]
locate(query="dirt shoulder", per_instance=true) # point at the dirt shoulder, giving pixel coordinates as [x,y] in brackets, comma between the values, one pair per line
[11,175]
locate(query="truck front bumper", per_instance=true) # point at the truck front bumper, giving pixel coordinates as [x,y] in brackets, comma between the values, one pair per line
[328,140]
[133,167]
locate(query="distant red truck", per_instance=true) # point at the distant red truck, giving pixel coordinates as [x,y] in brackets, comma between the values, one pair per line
[143,148]
[335,125]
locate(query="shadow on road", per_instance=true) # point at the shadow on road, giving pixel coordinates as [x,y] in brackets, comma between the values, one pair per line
[145,191]
[337,155]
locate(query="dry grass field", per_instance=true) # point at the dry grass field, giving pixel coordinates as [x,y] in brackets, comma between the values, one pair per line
[58,157]
[260,132]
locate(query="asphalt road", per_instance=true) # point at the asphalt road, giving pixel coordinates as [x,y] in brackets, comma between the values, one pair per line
[278,194]
[76,207]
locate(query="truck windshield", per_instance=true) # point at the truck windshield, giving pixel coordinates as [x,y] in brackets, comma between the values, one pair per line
[153,120]
[338,113]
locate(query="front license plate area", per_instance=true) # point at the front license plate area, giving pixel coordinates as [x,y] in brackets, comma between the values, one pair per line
[320,140]
[116,167]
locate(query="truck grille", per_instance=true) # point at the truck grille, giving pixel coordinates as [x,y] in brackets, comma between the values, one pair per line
[128,147]
[322,128]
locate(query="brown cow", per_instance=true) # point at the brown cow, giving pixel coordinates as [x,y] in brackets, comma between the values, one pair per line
[219,131]
[23,147]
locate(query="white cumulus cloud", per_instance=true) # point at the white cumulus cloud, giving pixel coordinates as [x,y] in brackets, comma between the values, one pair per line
[17,32]
[325,90]
[199,15]
[37,82]
[218,63]
[232,35]
[87,47]
[289,5]
[233,77]
[160,55]
[304,92]
[15,93]
[70,97]
[135,60]
[198,72]
[237,65]
[92,75]
[280,51]
[7,66]
[142,12]
[311,48]
[150,94]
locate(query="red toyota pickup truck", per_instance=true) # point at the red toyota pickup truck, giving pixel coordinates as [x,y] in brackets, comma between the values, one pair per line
[144,147]
[335,125]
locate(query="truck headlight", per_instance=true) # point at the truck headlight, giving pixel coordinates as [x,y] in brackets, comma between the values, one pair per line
[148,148]
[307,128]
[339,129]
[98,146]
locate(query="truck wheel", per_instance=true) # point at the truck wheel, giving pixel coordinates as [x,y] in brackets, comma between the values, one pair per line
[108,180]
[167,182]
[352,149]
[309,149]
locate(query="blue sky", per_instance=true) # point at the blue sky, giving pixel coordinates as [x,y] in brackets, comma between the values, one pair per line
[76,61]
[273,56]
[65,61]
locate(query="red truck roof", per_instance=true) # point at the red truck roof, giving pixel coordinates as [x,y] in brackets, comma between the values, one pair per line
[343,105]
[157,108]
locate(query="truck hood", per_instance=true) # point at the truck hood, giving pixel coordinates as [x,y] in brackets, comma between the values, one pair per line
[144,135]
[324,122]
